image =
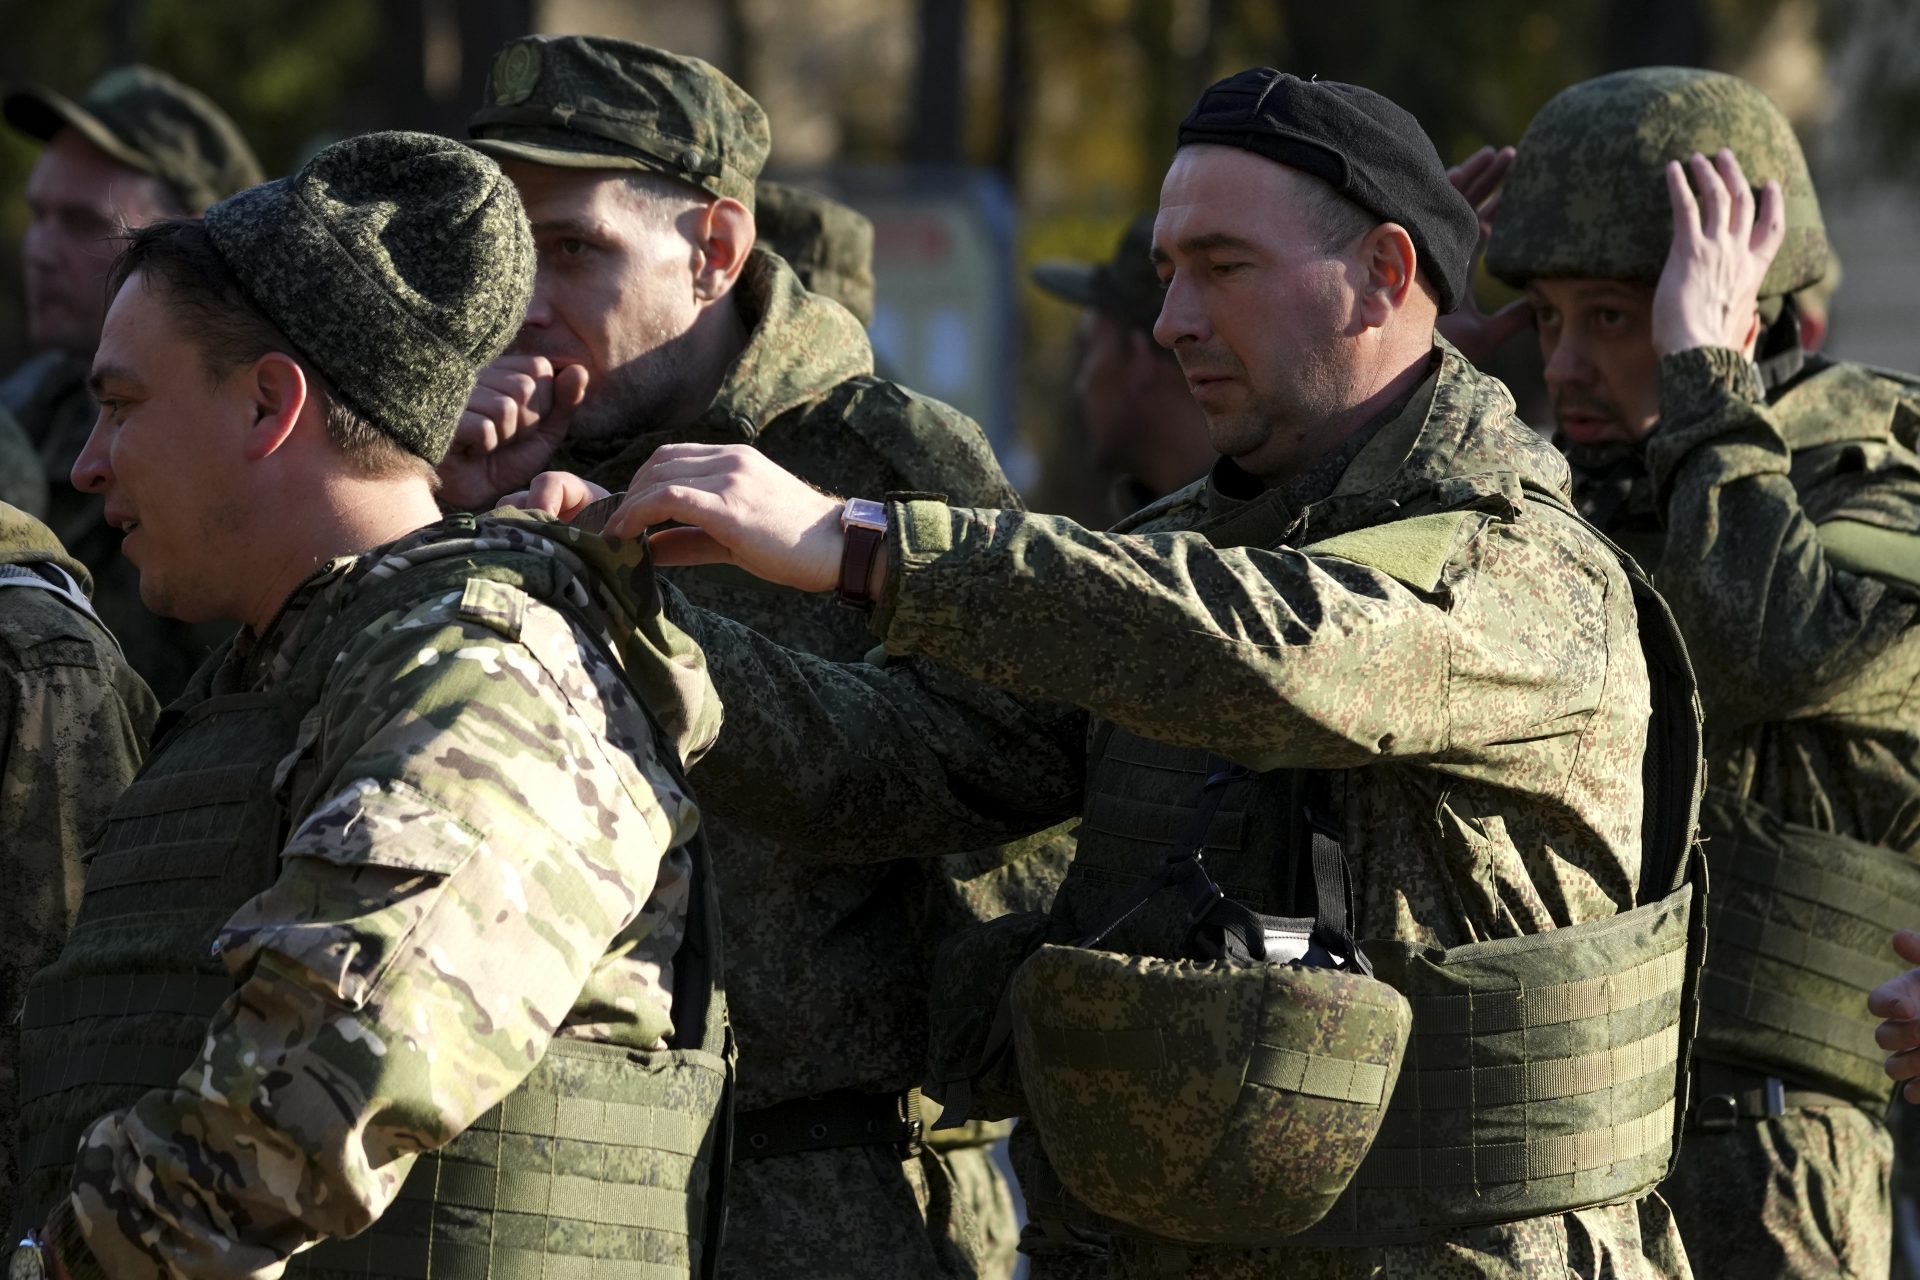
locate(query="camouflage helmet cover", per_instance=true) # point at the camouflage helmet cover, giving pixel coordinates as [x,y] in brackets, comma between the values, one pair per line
[1206,1102]
[1587,195]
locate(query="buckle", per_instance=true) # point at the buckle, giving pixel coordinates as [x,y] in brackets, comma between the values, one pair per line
[1716,1113]
[913,1142]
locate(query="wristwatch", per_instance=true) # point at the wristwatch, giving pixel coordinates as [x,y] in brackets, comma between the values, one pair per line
[865,524]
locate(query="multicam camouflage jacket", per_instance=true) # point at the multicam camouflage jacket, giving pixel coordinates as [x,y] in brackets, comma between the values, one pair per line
[73,722]
[1809,671]
[48,395]
[827,965]
[486,853]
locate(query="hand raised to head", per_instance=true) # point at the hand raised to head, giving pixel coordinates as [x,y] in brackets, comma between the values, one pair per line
[516,417]
[1723,242]
[1477,334]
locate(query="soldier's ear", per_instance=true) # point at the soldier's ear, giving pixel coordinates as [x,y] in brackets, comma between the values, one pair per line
[1388,257]
[279,390]
[723,238]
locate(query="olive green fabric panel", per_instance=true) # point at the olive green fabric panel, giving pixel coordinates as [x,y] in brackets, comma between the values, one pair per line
[1414,551]
[1858,547]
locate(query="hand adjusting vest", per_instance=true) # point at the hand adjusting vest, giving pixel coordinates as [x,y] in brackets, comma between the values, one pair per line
[1543,1073]
[607,1160]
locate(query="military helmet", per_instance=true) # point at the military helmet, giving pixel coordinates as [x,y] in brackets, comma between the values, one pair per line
[1208,1102]
[1587,194]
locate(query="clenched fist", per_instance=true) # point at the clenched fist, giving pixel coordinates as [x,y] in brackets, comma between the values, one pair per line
[514,420]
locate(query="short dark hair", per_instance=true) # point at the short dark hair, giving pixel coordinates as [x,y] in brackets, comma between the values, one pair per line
[1342,220]
[179,256]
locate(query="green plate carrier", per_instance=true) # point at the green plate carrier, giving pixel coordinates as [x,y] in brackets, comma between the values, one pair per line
[607,1161]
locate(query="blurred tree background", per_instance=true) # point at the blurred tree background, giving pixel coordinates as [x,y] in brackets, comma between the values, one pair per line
[1072,102]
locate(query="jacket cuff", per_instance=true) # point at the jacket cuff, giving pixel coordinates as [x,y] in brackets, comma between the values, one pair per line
[919,531]
[1705,393]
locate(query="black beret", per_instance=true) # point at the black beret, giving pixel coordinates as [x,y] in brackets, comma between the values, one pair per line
[1363,146]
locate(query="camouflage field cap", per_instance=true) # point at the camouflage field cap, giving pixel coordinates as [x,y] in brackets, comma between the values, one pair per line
[1587,194]
[828,245]
[148,121]
[593,102]
[397,263]
[1205,1101]
[1125,286]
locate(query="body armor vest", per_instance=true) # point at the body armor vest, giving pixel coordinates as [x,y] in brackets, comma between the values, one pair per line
[1800,917]
[1799,920]
[1545,1073]
[606,1160]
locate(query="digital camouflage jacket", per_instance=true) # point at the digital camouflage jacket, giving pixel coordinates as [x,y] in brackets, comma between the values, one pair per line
[49,396]
[827,964]
[1488,728]
[487,853]
[1809,671]
[73,722]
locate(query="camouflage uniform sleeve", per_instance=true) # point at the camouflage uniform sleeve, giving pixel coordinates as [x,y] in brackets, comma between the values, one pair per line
[855,761]
[1272,658]
[492,823]
[73,735]
[1743,565]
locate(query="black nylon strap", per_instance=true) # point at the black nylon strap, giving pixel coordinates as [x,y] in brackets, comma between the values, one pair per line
[846,1118]
[1182,866]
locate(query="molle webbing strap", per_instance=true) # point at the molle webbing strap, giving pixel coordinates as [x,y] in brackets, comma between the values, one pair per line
[47,576]
[1799,923]
[1127,1049]
[589,1169]
[1526,1090]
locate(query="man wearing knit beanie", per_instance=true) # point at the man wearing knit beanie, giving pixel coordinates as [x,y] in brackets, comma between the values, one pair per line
[401,934]
[657,317]
[136,146]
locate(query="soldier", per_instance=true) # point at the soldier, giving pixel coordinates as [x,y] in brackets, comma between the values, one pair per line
[73,720]
[828,245]
[1375,627]
[399,934]
[1146,428]
[137,146]
[656,319]
[1776,502]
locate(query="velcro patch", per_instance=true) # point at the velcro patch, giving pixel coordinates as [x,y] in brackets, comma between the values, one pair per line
[496,605]
[1872,551]
[1414,551]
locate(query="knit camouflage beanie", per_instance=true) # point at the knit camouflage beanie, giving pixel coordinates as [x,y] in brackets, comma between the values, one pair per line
[398,264]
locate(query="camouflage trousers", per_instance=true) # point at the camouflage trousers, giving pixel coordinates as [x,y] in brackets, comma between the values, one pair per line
[861,1213]
[1799,1195]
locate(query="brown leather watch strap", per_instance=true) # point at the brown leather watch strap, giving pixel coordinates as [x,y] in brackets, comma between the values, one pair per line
[856,565]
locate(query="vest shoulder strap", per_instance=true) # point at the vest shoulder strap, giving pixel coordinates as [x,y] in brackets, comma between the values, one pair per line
[1872,550]
[1413,551]
[47,576]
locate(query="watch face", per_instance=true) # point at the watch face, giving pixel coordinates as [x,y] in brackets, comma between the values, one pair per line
[864,513]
